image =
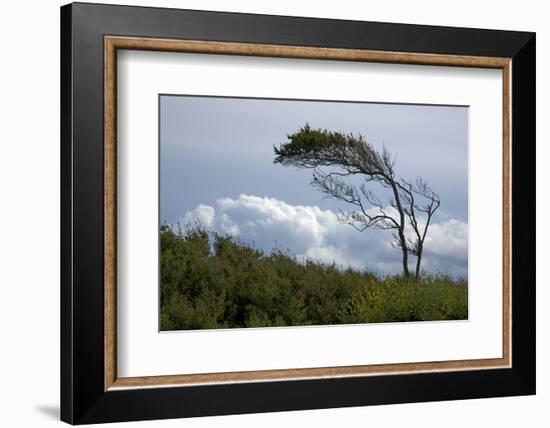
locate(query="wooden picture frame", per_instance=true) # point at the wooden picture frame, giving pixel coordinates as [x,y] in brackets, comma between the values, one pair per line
[91,390]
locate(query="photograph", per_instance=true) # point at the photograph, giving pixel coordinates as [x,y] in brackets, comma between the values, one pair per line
[289,212]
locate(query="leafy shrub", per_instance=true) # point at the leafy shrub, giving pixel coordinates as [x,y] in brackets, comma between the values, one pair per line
[212,281]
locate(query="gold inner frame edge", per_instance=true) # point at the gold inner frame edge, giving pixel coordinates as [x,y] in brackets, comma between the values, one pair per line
[113,43]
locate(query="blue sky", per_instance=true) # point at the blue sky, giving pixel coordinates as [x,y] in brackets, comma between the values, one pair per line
[216,165]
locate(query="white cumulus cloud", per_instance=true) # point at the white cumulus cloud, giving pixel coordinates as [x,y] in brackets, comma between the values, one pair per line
[201,214]
[310,232]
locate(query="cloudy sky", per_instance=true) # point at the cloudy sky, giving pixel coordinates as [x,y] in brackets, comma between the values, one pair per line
[216,166]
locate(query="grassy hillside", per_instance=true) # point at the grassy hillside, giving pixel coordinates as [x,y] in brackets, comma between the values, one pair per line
[211,281]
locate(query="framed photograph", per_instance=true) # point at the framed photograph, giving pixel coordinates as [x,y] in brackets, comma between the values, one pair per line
[266,213]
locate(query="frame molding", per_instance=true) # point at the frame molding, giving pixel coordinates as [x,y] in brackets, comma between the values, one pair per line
[114,43]
[90,391]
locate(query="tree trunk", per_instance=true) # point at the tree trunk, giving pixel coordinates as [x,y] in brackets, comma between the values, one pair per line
[402,239]
[418,261]
[405,254]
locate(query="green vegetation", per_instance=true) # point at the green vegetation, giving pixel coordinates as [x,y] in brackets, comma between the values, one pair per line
[212,281]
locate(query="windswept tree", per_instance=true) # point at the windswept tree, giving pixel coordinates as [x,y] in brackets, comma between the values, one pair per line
[345,166]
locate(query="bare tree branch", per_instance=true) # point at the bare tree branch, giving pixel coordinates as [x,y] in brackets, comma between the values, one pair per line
[432,203]
[331,184]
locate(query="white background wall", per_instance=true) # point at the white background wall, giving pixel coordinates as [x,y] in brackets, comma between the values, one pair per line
[29,213]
